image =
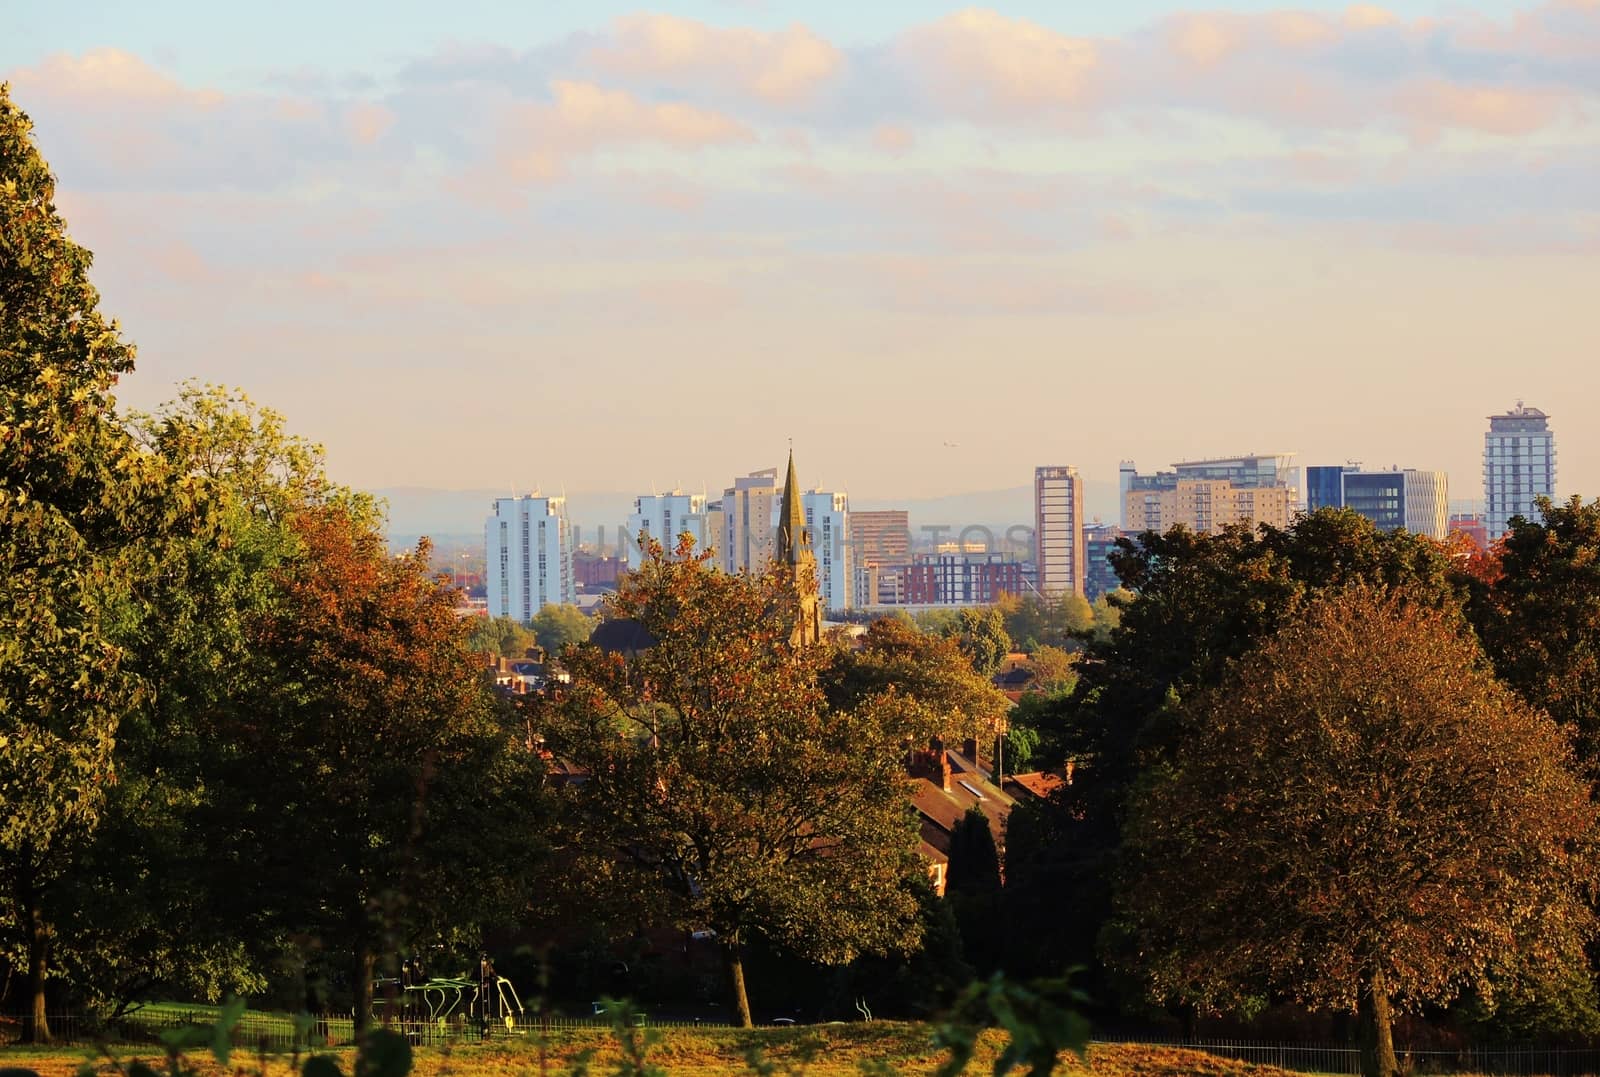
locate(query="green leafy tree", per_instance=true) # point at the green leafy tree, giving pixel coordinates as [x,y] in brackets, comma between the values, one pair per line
[556,626]
[722,784]
[981,635]
[503,636]
[1364,818]
[972,886]
[77,496]
[1539,616]
[180,926]
[1073,616]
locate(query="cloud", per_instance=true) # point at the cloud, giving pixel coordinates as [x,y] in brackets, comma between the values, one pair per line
[368,122]
[892,139]
[110,76]
[979,62]
[785,67]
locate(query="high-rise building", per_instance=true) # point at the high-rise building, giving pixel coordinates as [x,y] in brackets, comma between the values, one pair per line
[1099,577]
[528,556]
[1272,471]
[880,542]
[1415,500]
[1058,549]
[1519,464]
[749,522]
[664,517]
[829,520]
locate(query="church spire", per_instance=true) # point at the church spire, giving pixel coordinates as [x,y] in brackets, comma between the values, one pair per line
[791,520]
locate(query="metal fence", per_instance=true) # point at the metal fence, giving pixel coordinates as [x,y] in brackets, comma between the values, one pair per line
[1344,1058]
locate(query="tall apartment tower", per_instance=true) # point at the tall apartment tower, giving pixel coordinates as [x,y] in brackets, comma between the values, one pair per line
[880,544]
[1058,545]
[749,522]
[828,519]
[1519,464]
[664,517]
[528,556]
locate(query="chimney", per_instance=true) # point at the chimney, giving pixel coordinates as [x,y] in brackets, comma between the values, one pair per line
[941,763]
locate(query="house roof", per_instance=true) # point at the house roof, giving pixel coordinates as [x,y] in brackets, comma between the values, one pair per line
[1039,783]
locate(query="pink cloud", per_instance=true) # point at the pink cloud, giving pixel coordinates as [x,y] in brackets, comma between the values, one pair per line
[892,139]
[782,67]
[367,122]
[980,61]
[1436,104]
[102,74]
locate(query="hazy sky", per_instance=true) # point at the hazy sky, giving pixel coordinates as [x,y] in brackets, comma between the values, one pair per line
[481,244]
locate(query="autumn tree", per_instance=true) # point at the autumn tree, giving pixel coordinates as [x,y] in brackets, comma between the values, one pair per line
[388,799]
[720,781]
[1363,818]
[76,497]
[1197,602]
[1539,616]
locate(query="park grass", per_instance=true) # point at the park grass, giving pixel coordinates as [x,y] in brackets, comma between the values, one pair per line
[820,1051]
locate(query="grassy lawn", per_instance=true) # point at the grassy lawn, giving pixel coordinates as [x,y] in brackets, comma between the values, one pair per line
[834,1051]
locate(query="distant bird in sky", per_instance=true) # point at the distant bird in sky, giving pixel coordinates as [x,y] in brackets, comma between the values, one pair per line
[952,445]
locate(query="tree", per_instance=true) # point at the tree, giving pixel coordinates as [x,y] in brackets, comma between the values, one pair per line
[1364,818]
[76,497]
[502,636]
[1539,616]
[926,678]
[974,860]
[1198,602]
[377,768]
[722,784]
[1053,670]
[981,635]
[558,625]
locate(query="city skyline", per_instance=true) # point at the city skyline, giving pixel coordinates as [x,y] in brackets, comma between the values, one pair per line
[1159,232]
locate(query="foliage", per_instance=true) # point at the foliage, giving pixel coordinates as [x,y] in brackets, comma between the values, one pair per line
[1054,671]
[1364,815]
[981,635]
[378,768]
[1022,744]
[503,636]
[722,784]
[974,860]
[1042,1021]
[1539,616]
[925,679]
[76,498]
[556,626]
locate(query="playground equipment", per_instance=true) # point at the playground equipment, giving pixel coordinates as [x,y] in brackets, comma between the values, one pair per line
[447,1005]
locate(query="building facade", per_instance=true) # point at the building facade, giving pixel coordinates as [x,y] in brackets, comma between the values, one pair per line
[829,521]
[528,556]
[1058,549]
[663,517]
[1141,502]
[1099,577]
[960,579]
[749,522]
[1519,464]
[1204,505]
[1418,501]
[880,543]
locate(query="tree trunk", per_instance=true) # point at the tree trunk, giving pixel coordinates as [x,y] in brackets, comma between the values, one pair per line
[361,969]
[741,1001]
[36,1027]
[1377,1036]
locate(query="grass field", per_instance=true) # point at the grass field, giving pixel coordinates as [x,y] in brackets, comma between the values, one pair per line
[832,1051]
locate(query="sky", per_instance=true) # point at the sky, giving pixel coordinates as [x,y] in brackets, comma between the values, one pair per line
[602,247]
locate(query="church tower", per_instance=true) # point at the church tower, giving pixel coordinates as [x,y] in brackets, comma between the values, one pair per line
[794,554]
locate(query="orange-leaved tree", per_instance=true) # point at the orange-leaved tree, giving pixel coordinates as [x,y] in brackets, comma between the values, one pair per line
[721,789]
[1364,818]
